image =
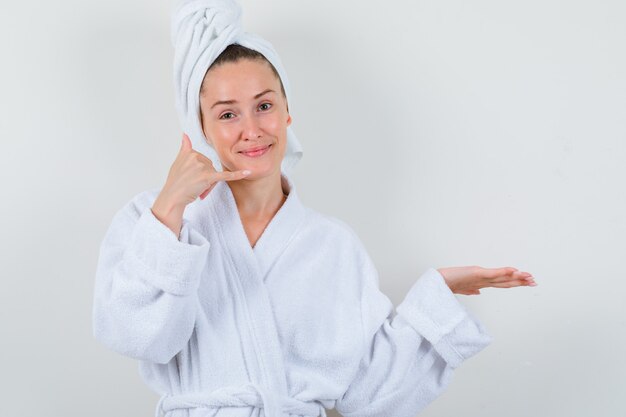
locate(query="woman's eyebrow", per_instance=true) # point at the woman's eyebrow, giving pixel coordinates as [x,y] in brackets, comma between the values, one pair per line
[269,90]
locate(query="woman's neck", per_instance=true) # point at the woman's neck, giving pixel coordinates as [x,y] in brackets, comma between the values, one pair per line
[258,198]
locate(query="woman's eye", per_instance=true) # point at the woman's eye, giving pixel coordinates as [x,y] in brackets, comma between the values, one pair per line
[222,116]
[265,104]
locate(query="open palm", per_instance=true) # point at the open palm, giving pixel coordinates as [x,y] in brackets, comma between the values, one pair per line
[468,280]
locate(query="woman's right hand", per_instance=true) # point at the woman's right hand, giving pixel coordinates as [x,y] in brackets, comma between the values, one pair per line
[192,175]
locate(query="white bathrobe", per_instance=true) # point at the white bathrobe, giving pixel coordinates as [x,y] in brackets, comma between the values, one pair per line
[288,327]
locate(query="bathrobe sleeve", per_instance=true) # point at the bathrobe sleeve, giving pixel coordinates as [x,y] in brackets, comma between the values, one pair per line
[409,357]
[145,297]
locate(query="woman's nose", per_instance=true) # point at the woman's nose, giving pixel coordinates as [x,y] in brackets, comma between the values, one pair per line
[252,128]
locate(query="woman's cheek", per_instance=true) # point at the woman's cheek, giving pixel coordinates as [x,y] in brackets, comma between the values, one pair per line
[278,123]
[225,130]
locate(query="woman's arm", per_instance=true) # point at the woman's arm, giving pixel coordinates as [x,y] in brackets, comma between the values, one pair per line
[145,297]
[408,358]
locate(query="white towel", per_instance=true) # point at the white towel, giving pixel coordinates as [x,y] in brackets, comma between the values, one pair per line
[201,30]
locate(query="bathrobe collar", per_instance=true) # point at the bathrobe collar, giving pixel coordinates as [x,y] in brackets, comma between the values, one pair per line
[276,235]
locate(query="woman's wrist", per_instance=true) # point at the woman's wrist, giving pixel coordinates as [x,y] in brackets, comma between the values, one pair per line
[446,279]
[169,214]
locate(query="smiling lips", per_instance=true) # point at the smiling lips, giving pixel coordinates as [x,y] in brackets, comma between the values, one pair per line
[254,152]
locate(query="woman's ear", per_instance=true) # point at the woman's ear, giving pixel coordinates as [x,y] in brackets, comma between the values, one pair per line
[289,115]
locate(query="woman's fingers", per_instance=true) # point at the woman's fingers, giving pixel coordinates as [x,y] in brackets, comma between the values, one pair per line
[229,175]
[207,191]
[505,274]
[530,281]
[514,283]
[494,273]
[507,277]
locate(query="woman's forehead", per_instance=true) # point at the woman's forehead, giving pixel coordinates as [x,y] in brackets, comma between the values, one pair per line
[244,78]
[244,69]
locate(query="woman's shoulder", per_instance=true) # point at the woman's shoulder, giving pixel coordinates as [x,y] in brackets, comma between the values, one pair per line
[332,229]
[329,222]
[336,245]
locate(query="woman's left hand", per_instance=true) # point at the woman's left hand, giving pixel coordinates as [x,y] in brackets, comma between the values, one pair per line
[468,280]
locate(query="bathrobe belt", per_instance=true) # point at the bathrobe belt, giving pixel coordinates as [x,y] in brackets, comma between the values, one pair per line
[241,396]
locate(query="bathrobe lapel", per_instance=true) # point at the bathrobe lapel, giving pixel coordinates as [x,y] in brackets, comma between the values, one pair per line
[280,230]
[252,266]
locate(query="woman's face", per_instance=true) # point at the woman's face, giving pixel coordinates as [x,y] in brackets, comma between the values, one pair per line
[254,115]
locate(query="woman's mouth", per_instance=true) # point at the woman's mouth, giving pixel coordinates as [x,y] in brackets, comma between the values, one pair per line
[254,154]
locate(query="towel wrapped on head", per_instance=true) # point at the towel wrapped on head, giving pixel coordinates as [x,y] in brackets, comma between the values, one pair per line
[201,30]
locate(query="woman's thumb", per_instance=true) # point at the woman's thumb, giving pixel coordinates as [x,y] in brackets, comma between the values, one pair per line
[186,143]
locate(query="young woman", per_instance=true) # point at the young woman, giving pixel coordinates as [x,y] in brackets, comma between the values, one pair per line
[244,302]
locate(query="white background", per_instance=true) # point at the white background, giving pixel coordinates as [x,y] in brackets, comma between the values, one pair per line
[444,132]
